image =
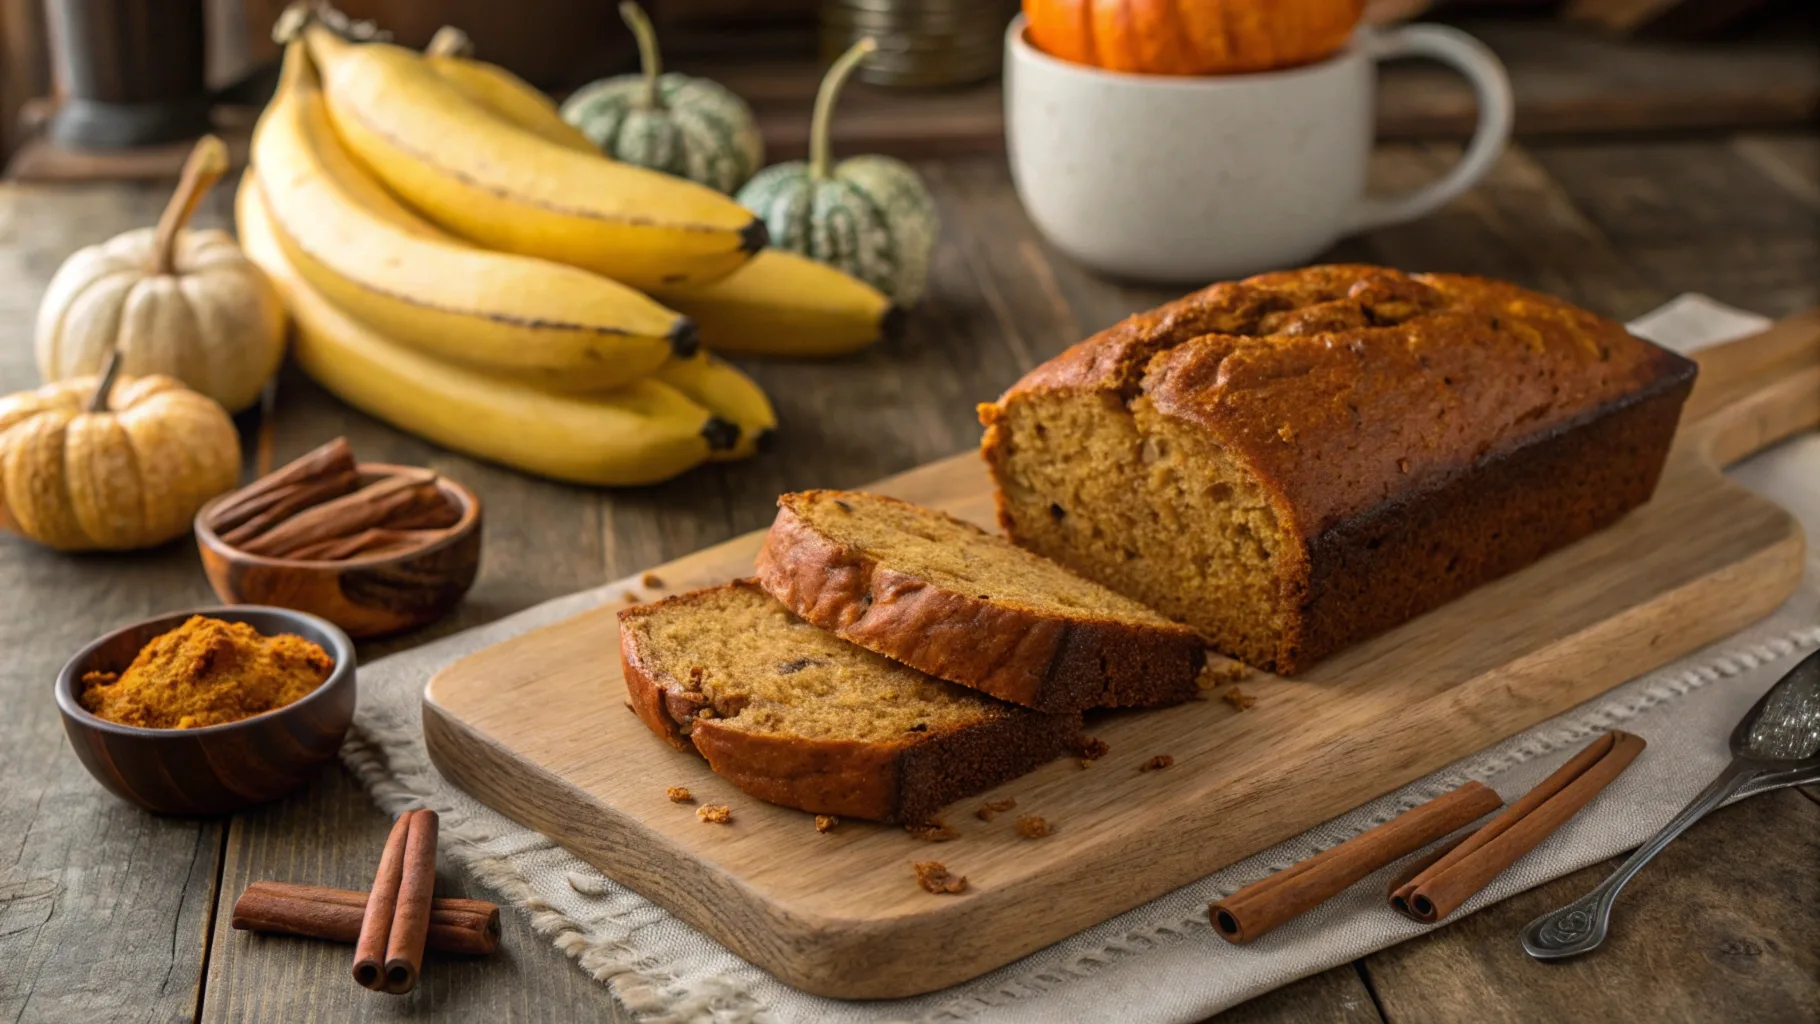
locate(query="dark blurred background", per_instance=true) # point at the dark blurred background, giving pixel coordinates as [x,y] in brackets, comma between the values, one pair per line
[115,88]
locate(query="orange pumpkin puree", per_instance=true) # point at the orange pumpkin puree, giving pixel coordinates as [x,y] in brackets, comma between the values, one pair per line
[207,672]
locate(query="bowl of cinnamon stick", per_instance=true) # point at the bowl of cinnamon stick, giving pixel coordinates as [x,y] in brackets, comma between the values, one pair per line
[374,548]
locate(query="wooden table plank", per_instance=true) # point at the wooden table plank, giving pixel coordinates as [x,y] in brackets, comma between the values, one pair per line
[1720,927]
[103,908]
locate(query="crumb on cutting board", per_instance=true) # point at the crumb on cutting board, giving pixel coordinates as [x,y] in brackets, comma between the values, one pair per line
[1032,826]
[932,831]
[1239,699]
[652,581]
[679,795]
[718,814]
[991,808]
[1219,671]
[629,597]
[826,822]
[1092,748]
[934,877]
[1157,763]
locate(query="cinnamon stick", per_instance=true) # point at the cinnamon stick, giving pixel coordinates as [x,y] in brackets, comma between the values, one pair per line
[1262,906]
[1430,891]
[320,912]
[366,544]
[350,513]
[285,502]
[411,919]
[382,905]
[328,460]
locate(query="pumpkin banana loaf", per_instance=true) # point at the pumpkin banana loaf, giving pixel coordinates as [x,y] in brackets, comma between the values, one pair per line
[797,716]
[1299,460]
[946,597]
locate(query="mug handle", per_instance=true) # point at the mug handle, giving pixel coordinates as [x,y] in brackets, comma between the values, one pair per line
[1490,85]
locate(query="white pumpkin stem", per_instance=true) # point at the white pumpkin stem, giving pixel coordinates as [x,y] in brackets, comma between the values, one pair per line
[650,58]
[97,402]
[820,162]
[207,163]
[449,41]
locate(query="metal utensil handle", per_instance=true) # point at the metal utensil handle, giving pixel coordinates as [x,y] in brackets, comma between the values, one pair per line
[1579,927]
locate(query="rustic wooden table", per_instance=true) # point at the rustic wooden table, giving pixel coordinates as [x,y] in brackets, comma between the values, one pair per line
[107,913]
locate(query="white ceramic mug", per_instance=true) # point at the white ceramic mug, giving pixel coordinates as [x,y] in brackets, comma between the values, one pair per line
[1172,179]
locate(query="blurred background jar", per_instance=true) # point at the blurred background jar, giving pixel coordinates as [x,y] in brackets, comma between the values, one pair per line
[921,43]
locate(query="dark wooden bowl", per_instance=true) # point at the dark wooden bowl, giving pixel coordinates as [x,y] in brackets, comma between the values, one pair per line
[219,768]
[368,597]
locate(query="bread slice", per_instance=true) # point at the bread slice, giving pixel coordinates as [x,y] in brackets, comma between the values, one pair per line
[946,597]
[797,716]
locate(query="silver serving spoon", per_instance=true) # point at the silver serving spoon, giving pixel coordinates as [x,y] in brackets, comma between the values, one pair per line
[1776,744]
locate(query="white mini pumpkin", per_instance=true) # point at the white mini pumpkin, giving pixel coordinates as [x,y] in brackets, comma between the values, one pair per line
[186,304]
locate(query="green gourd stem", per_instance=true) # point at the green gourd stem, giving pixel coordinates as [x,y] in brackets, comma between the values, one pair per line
[97,402]
[819,161]
[650,59]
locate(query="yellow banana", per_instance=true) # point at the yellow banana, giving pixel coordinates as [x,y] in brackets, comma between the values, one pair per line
[496,184]
[641,434]
[783,304]
[726,393]
[777,304]
[537,321]
[450,54]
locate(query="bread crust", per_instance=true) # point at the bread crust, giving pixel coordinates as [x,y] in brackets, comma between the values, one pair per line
[904,780]
[1416,435]
[1024,655]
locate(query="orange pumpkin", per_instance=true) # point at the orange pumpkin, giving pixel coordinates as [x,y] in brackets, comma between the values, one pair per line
[1191,37]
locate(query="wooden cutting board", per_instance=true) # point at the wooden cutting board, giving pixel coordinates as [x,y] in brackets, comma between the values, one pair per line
[537,728]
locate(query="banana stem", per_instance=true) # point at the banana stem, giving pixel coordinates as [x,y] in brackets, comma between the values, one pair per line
[819,160]
[205,166]
[650,59]
[449,41]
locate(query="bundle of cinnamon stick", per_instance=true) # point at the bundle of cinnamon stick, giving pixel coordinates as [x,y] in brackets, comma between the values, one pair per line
[391,926]
[321,507]
[1436,885]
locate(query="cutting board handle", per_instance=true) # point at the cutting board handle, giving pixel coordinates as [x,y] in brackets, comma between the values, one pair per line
[1755,391]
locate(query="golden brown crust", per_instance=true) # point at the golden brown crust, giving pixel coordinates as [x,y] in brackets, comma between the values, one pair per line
[903,780]
[1017,653]
[1419,434]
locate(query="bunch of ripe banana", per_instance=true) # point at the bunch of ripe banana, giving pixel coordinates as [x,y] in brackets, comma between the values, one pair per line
[463,265]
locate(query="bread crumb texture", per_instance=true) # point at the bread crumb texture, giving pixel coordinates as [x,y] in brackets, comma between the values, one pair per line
[757,668]
[935,831]
[1093,748]
[992,808]
[958,556]
[1157,763]
[1220,671]
[715,814]
[1032,826]
[934,877]
[1239,699]
[825,822]
[679,795]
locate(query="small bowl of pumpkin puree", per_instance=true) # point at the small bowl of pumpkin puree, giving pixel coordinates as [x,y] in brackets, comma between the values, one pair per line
[209,711]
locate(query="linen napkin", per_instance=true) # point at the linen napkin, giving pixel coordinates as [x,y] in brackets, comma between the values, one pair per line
[1160,961]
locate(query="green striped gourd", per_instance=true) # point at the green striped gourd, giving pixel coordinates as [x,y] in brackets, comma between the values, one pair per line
[689,127]
[867,215]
